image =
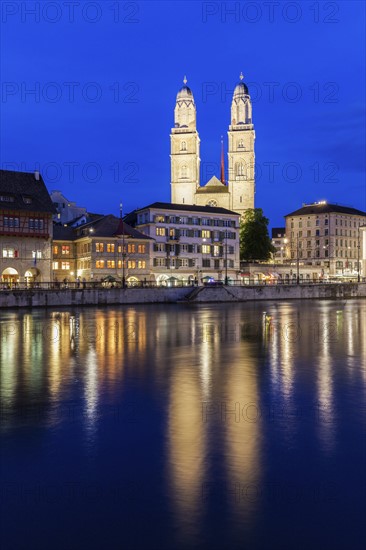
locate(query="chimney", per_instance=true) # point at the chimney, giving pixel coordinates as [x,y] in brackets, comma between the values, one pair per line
[36,175]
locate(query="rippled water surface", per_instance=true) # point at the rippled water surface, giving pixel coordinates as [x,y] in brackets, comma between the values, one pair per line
[170,426]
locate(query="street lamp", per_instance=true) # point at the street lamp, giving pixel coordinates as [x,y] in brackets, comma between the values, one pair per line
[358,256]
[123,247]
[297,261]
[226,277]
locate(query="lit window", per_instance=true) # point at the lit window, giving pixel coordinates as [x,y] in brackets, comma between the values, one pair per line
[65,265]
[99,264]
[141,249]
[55,249]
[206,249]
[131,264]
[8,252]
[110,247]
[160,231]
[111,264]
[65,250]
[99,247]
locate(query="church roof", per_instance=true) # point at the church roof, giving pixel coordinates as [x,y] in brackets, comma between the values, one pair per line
[214,185]
[188,208]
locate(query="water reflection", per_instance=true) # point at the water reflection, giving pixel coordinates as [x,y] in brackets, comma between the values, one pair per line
[227,380]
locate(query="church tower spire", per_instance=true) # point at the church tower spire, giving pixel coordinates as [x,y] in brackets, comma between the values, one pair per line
[184,149]
[241,150]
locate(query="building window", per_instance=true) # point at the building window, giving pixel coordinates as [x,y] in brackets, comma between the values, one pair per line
[206,249]
[55,249]
[99,264]
[111,264]
[206,263]
[37,254]
[99,247]
[8,253]
[131,264]
[65,265]
[160,231]
[160,219]
[54,265]
[141,264]
[183,146]
[131,248]
[141,249]
[110,247]
[65,250]
[206,234]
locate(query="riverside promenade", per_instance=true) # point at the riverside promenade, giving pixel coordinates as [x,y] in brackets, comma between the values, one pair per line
[40,297]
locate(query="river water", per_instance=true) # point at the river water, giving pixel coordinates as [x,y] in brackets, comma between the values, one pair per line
[174,426]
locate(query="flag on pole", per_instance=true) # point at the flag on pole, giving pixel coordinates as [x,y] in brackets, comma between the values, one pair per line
[222,172]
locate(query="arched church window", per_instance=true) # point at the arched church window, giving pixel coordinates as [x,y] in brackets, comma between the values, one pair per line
[183,146]
[184,172]
[241,144]
[212,202]
[240,169]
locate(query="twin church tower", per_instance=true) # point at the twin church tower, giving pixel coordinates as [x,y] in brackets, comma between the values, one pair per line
[237,192]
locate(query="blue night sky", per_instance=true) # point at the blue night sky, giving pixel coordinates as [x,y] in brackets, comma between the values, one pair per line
[106,78]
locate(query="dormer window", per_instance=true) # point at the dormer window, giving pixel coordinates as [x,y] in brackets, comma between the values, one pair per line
[27,200]
[7,198]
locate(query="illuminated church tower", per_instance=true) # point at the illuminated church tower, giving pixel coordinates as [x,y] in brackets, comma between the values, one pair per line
[237,191]
[241,157]
[185,149]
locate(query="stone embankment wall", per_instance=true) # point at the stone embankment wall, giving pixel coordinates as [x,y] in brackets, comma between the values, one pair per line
[101,297]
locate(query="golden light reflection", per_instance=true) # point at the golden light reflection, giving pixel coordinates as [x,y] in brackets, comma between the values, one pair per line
[243,433]
[187,443]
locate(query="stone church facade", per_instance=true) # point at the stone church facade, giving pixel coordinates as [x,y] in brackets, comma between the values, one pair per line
[237,192]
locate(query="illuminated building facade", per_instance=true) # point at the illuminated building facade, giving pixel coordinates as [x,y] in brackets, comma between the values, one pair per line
[25,228]
[237,192]
[329,236]
[191,242]
[98,249]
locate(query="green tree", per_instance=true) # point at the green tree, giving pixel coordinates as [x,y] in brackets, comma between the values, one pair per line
[255,243]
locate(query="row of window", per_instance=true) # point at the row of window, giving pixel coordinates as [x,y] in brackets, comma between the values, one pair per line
[34,224]
[338,242]
[13,253]
[129,264]
[326,222]
[194,233]
[102,264]
[182,220]
[188,262]
[326,232]
[129,249]
[309,254]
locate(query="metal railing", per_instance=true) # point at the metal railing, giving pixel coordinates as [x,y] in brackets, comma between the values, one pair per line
[91,285]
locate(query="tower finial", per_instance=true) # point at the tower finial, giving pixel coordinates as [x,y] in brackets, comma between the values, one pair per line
[185,80]
[241,75]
